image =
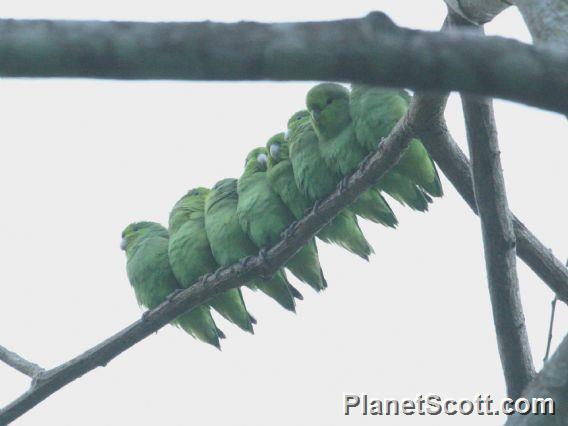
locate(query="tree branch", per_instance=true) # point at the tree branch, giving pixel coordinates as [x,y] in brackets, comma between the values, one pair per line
[550,382]
[499,240]
[499,245]
[478,11]
[22,365]
[547,20]
[370,50]
[434,133]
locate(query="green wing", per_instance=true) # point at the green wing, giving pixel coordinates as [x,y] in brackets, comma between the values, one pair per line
[152,278]
[375,111]
[264,217]
[229,243]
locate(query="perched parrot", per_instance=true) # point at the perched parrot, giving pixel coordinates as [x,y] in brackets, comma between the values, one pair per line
[191,257]
[263,216]
[317,180]
[329,107]
[150,274]
[230,244]
[342,230]
[375,111]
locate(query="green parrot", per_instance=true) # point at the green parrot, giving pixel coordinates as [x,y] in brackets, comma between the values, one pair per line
[150,274]
[263,216]
[342,230]
[191,257]
[229,244]
[316,180]
[329,107]
[375,111]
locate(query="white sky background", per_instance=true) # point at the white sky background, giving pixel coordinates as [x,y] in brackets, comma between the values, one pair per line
[80,159]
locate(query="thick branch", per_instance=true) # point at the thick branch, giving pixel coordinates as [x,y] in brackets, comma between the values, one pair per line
[499,245]
[547,20]
[498,239]
[478,11]
[454,164]
[236,275]
[368,50]
[551,382]
[22,365]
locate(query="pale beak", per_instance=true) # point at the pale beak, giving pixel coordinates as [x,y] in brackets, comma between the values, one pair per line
[274,151]
[316,114]
[123,244]
[286,134]
[262,160]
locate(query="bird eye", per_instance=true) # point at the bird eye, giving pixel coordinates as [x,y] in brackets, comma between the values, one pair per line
[275,151]
[262,160]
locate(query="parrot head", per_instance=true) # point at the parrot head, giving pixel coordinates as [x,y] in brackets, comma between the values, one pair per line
[277,148]
[296,124]
[190,206]
[136,232]
[256,161]
[225,188]
[328,104]
[298,119]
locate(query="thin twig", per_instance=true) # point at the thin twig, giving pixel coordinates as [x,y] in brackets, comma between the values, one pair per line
[369,50]
[22,365]
[550,328]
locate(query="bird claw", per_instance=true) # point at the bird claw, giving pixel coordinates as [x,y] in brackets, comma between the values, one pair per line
[205,277]
[173,294]
[265,262]
[343,183]
[145,315]
[316,206]
[287,232]
[243,261]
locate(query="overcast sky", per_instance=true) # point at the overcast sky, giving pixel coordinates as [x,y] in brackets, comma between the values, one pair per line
[80,159]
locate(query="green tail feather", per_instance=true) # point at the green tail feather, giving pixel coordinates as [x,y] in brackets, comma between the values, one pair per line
[231,305]
[200,324]
[372,206]
[305,266]
[278,289]
[344,231]
[434,187]
[404,191]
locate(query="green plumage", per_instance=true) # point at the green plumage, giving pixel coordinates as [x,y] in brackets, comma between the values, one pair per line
[329,106]
[150,274]
[316,179]
[263,216]
[229,243]
[191,257]
[375,111]
[342,230]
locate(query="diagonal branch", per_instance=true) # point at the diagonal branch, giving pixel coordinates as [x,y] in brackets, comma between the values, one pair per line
[499,244]
[22,365]
[236,275]
[550,382]
[369,50]
[499,240]
[433,132]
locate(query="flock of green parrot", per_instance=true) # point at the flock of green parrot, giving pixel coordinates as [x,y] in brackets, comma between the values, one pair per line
[209,228]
